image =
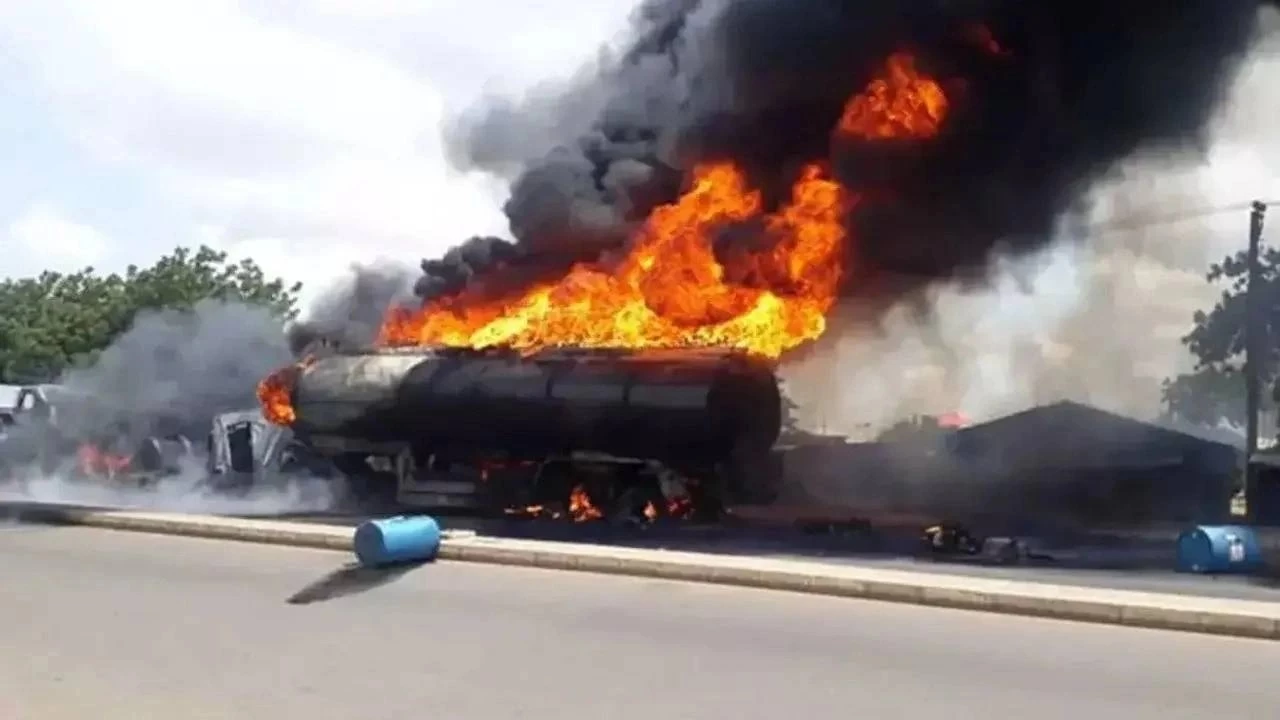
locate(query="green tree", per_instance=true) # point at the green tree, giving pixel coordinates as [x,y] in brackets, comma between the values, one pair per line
[1215,390]
[51,321]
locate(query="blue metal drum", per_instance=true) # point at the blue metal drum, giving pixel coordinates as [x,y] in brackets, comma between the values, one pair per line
[401,539]
[1219,549]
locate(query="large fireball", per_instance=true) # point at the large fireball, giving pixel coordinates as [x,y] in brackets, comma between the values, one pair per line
[672,290]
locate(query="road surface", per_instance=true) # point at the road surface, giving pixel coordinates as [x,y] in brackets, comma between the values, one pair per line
[112,626]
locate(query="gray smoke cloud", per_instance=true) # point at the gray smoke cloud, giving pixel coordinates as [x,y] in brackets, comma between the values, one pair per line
[169,374]
[583,143]
[174,369]
[1096,317]
[351,310]
[760,82]
[1088,306]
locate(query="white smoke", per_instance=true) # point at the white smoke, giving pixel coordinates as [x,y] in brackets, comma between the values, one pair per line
[169,374]
[1097,318]
[187,492]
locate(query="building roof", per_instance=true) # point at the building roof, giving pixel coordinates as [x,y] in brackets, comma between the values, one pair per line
[1070,434]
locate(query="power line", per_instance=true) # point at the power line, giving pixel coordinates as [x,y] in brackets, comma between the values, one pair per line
[1165,219]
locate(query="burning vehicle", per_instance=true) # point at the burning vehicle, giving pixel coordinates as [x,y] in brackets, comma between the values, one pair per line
[753,166]
[244,451]
[52,428]
[660,364]
[586,431]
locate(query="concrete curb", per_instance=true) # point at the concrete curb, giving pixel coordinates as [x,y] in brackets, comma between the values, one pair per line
[1217,616]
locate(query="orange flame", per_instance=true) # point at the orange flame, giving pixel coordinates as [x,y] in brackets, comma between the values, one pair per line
[580,507]
[92,460]
[276,390]
[904,103]
[680,507]
[671,290]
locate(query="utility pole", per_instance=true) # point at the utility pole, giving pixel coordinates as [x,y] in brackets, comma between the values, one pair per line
[1253,353]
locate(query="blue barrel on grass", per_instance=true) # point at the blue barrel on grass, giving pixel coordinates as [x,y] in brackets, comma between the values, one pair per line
[1214,549]
[400,539]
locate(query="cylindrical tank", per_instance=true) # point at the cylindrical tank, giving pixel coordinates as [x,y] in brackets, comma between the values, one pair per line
[401,539]
[1219,549]
[682,406]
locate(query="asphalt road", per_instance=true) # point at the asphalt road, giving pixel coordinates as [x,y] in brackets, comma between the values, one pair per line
[106,626]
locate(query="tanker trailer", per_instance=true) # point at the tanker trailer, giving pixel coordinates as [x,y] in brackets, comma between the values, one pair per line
[466,428]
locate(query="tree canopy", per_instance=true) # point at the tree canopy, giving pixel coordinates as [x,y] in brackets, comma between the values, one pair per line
[49,322]
[1215,390]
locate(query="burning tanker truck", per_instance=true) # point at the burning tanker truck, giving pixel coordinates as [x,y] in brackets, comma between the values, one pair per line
[752,164]
[579,432]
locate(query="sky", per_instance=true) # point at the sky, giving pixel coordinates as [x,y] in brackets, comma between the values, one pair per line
[305,135]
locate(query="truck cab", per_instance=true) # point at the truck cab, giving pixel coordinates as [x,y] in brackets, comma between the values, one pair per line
[243,448]
[33,403]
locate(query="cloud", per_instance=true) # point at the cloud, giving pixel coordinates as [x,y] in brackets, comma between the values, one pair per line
[307,133]
[42,238]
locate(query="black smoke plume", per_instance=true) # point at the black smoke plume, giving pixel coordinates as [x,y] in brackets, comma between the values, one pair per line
[1069,88]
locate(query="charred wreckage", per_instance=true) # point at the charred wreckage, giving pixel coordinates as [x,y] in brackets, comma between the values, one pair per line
[53,431]
[56,430]
[577,434]
[580,433]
